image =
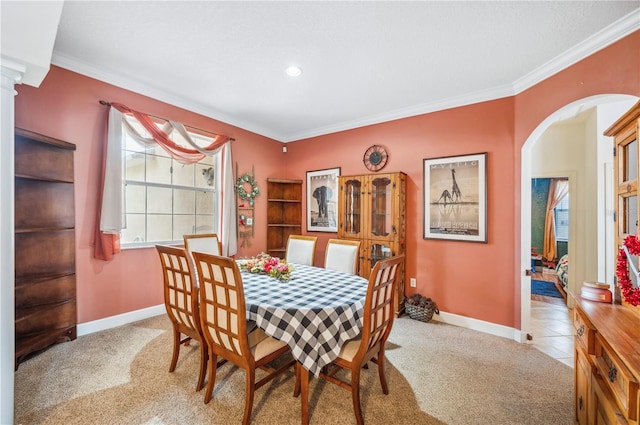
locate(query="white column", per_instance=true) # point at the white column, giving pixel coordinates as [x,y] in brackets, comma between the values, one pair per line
[10,76]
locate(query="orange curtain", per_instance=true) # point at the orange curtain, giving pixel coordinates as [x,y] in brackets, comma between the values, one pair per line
[179,153]
[558,189]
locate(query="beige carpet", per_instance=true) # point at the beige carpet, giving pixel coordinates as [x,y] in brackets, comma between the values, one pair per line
[437,374]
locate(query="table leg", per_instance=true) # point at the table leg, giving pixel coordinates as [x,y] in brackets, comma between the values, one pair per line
[304,398]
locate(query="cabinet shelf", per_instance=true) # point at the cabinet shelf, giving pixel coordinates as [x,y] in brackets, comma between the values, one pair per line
[284,213]
[43,229]
[24,313]
[285,200]
[41,178]
[29,279]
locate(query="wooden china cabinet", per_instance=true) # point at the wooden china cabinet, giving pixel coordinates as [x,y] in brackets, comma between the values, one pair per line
[371,209]
[607,342]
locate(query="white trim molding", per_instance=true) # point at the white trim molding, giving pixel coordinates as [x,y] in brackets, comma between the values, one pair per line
[119,320]
[9,77]
[478,325]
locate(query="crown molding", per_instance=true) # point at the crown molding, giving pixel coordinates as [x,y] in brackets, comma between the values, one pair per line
[609,35]
[12,69]
[136,85]
[614,32]
[411,111]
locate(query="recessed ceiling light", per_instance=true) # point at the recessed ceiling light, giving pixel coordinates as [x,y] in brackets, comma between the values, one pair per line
[293,71]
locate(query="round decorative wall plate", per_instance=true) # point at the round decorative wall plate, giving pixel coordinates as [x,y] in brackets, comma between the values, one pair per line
[375,158]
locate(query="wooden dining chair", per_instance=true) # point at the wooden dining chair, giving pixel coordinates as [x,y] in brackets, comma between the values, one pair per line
[181,302]
[301,249]
[377,323]
[223,313]
[205,242]
[342,255]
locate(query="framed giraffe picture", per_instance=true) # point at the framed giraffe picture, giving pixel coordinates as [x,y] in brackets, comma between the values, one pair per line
[455,198]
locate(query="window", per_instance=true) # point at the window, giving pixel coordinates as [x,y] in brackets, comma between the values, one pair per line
[164,199]
[561,213]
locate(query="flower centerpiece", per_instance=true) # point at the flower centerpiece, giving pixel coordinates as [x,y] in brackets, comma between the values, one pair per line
[266,264]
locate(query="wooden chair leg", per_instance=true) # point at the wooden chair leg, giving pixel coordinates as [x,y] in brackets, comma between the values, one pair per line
[355,394]
[248,405]
[204,357]
[176,349]
[212,378]
[383,381]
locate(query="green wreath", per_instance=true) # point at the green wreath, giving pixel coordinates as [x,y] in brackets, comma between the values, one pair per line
[240,187]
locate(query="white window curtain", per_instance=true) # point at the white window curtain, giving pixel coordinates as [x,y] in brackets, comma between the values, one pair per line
[112,218]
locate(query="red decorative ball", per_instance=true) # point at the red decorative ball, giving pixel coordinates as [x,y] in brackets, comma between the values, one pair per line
[629,292]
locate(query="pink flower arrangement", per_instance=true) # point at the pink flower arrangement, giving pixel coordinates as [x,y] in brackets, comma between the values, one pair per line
[266,264]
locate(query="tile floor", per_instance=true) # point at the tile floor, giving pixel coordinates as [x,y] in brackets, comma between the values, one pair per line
[551,328]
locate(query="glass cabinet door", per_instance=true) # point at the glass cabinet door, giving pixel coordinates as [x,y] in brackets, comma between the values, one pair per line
[381,199]
[379,252]
[627,174]
[352,212]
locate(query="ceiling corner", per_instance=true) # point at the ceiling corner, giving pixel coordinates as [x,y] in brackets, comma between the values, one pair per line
[28,35]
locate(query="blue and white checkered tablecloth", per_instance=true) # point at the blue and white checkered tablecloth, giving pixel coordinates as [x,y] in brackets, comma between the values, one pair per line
[314,313]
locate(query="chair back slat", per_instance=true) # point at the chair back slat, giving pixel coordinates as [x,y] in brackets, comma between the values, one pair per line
[180,292]
[222,305]
[378,309]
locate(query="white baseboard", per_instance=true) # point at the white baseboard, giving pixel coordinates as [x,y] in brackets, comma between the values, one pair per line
[444,317]
[119,320]
[478,325]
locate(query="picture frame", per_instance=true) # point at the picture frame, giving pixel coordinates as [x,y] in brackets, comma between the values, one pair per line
[455,198]
[322,200]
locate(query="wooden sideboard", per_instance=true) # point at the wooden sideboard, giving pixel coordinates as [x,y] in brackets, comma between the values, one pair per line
[607,363]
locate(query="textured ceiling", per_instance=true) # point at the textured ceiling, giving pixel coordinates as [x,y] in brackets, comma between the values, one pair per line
[363,62]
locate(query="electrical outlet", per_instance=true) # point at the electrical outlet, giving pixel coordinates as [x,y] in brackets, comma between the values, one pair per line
[412,282]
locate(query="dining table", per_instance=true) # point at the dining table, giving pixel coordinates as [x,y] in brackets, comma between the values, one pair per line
[314,312]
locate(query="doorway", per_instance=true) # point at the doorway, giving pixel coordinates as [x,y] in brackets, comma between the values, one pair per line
[550,212]
[570,143]
[550,221]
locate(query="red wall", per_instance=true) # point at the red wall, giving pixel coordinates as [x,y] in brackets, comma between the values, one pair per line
[66,107]
[614,70]
[475,280]
[455,274]
[481,281]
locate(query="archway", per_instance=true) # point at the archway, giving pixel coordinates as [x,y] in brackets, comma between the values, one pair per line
[616,105]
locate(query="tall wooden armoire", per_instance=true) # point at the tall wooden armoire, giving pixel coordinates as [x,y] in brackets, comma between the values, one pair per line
[45,267]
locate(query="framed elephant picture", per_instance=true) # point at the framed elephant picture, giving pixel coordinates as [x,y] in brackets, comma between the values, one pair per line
[455,198]
[322,200]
